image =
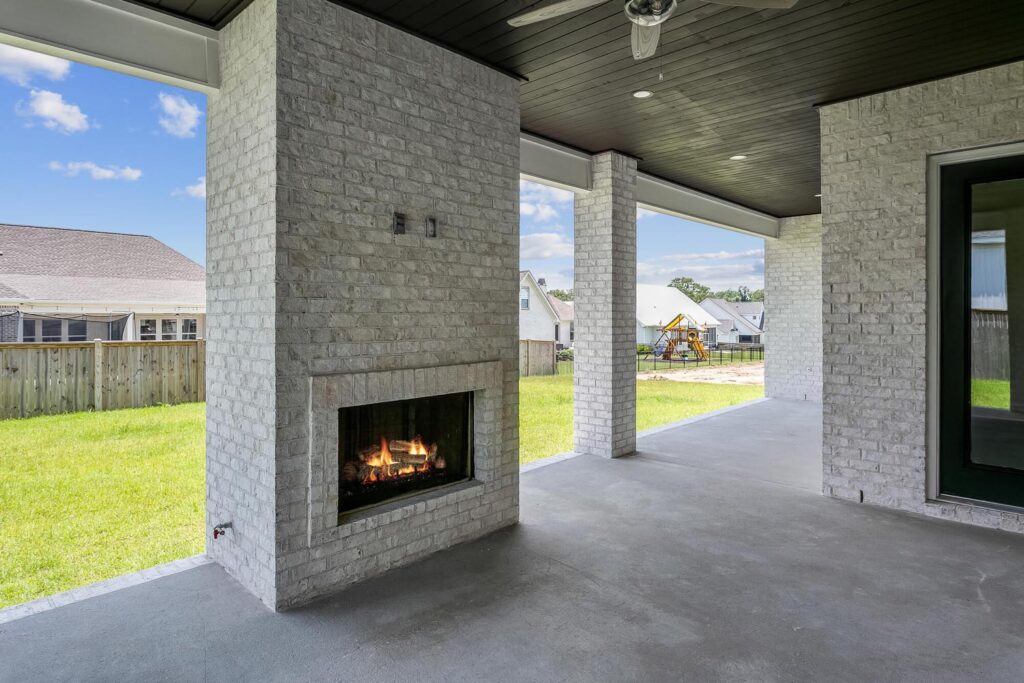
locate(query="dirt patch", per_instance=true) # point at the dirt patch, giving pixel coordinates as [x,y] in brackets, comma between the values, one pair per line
[737,373]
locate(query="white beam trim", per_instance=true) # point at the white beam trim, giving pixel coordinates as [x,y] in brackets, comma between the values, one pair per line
[116,35]
[553,164]
[561,166]
[676,200]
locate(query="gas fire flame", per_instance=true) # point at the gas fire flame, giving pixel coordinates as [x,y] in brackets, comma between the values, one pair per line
[414,456]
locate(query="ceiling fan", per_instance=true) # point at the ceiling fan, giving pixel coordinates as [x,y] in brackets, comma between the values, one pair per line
[647,16]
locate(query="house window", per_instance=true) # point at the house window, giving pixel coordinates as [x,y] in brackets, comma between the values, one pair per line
[28,331]
[52,331]
[168,330]
[189,328]
[572,332]
[147,330]
[556,332]
[524,298]
[77,330]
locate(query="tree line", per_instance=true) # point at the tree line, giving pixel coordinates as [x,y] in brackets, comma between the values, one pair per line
[692,289]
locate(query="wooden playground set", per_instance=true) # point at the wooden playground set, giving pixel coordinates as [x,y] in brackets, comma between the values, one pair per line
[679,338]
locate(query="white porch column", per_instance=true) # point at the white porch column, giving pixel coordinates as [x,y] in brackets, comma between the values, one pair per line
[605,356]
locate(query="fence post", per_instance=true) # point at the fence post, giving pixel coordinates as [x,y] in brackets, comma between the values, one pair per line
[201,370]
[98,373]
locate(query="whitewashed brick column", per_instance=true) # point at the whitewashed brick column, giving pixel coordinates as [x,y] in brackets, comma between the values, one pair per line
[793,301]
[604,406]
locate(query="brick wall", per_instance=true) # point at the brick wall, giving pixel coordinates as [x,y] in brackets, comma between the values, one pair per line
[792,291]
[241,301]
[604,405]
[874,152]
[371,121]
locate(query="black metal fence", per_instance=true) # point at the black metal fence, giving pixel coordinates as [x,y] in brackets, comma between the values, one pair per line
[720,356]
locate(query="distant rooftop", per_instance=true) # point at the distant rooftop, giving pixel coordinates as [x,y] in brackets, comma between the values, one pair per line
[82,266]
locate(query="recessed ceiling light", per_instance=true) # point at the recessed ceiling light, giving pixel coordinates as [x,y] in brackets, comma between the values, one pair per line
[642,94]
[818,195]
[737,157]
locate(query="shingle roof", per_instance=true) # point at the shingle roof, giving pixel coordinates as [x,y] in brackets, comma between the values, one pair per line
[56,264]
[564,309]
[657,305]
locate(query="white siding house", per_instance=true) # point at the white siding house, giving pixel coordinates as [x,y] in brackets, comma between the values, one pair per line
[740,322]
[537,317]
[59,285]
[656,306]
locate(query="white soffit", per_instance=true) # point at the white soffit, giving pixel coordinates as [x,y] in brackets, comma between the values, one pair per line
[116,35]
[554,164]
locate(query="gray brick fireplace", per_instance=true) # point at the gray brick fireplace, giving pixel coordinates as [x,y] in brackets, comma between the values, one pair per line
[327,125]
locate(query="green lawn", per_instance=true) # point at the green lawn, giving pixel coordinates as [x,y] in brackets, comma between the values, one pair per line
[545,408]
[90,496]
[990,393]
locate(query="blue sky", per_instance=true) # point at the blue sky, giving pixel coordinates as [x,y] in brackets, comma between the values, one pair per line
[667,247]
[84,147]
[88,148]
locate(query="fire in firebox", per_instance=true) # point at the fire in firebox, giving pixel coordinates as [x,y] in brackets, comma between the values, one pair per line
[393,459]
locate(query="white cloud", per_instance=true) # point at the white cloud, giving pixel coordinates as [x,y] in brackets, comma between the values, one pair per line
[535,193]
[544,245]
[198,190]
[645,213]
[181,117]
[20,66]
[542,213]
[95,171]
[55,112]
[718,270]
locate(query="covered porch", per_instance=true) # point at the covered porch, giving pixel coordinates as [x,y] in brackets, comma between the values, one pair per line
[709,555]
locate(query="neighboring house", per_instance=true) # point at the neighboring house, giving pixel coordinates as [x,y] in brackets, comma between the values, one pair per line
[656,306]
[988,270]
[565,330]
[537,317]
[741,322]
[75,285]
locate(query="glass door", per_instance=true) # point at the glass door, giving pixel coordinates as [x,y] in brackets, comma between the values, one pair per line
[981,406]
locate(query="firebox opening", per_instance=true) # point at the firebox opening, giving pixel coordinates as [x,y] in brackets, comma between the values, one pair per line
[394,449]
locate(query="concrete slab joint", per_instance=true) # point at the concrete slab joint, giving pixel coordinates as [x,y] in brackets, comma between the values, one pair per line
[604,382]
[326,124]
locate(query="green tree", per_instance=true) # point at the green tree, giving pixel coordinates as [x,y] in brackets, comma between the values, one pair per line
[744,293]
[691,288]
[757,295]
[561,294]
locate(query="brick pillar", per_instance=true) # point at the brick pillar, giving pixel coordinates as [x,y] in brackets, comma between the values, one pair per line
[605,351]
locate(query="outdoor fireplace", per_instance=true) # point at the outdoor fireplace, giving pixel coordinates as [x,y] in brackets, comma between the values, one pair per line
[393,449]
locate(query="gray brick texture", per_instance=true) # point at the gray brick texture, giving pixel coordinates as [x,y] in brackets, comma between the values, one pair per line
[604,405]
[792,291]
[328,124]
[874,154]
[241,302]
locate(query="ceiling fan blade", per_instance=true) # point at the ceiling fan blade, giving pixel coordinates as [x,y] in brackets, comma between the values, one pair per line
[554,10]
[645,40]
[757,4]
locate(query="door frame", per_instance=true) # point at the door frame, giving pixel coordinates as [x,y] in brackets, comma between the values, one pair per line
[936,162]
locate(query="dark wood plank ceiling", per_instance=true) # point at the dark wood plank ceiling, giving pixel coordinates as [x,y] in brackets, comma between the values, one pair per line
[727,80]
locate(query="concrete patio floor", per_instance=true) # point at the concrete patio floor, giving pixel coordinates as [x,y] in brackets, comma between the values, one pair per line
[710,556]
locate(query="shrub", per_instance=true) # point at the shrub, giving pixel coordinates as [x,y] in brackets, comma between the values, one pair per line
[564,355]
[643,349]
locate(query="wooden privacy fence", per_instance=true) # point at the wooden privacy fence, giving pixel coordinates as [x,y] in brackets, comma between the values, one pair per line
[990,345]
[536,357]
[46,379]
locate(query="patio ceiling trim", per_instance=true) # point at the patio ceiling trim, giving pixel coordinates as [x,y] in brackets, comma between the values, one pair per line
[116,35]
[556,164]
